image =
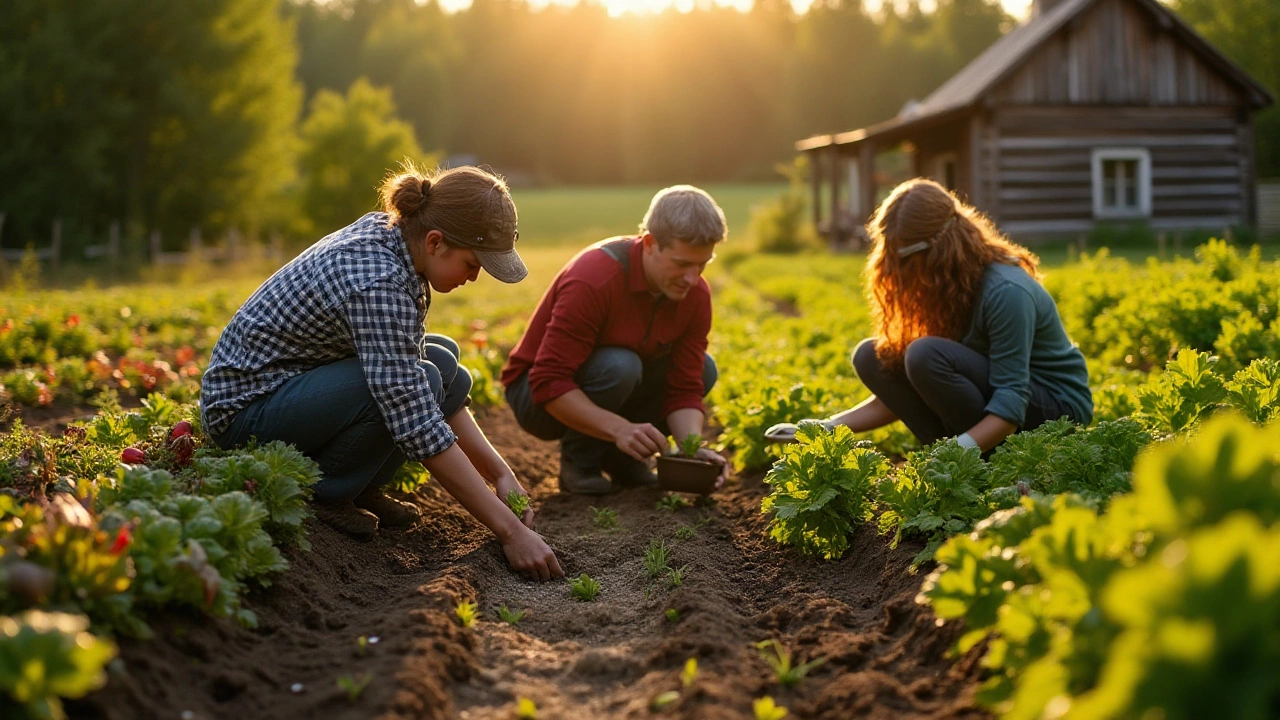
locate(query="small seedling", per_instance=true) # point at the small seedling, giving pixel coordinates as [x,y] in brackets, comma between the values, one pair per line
[518,502]
[655,558]
[690,673]
[466,612]
[526,709]
[685,532]
[672,503]
[772,652]
[362,645]
[673,615]
[675,576]
[690,445]
[660,702]
[766,709]
[584,588]
[604,518]
[354,686]
[509,616]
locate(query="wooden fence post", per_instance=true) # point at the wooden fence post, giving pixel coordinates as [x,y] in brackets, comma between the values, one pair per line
[56,249]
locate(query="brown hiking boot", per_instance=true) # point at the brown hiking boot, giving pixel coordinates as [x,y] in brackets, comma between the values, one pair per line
[582,481]
[347,518]
[628,472]
[391,513]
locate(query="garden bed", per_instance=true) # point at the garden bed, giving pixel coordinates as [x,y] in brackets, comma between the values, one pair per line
[885,657]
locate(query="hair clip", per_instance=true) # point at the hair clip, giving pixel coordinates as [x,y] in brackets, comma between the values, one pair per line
[913,249]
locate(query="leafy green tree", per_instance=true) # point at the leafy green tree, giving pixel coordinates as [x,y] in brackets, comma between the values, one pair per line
[348,144]
[1248,32]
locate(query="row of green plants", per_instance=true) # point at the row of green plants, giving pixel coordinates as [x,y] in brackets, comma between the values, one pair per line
[120,517]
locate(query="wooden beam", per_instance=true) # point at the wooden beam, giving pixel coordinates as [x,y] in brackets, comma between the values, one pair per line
[867,181]
[1037,143]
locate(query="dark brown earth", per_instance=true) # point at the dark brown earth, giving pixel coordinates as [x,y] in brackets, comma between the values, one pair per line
[886,658]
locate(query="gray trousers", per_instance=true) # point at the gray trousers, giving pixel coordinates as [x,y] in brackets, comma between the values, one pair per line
[615,379]
[329,414]
[942,389]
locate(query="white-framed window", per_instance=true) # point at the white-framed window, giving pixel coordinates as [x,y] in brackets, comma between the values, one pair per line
[944,170]
[1121,183]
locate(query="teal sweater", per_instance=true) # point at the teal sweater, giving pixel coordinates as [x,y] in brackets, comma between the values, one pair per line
[1015,324]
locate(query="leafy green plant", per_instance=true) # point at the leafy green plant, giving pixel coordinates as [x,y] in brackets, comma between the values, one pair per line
[689,445]
[655,558]
[584,588]
[673,615]
[604,518]
[779,660]
[675,576]
[466,613]
[1255,390]
[766,709]
[1184,393]
[685,532]
[354,685]
[509,616]
[47,656]
[822,487]
[938,493]
[518,502]
[671,503]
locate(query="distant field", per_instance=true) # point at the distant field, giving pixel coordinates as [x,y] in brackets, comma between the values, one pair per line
[582,215]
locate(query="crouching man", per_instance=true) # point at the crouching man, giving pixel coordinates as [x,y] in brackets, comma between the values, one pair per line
[615,356]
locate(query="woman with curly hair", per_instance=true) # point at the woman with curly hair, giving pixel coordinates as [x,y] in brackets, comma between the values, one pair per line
[968,343]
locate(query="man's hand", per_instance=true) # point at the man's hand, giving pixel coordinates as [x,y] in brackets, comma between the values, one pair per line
[641,441]
[712,456]
[530,555]
[503,486]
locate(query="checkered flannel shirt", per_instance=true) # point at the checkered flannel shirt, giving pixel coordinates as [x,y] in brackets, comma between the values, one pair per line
[352,294]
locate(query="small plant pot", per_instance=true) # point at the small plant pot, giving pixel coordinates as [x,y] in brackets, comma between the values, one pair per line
[689,475]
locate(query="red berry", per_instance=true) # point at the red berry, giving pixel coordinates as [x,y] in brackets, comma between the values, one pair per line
[182,428]
[132,456]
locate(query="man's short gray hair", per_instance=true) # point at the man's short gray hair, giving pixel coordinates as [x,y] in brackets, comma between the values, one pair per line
[684,213]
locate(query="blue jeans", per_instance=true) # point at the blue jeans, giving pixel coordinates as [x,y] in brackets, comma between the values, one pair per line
[329,414]
[942,388]
[613,378]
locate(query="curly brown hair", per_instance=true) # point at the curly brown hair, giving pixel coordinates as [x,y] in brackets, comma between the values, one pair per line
[932,288]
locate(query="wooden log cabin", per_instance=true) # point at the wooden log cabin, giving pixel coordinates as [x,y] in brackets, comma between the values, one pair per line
[1092,111]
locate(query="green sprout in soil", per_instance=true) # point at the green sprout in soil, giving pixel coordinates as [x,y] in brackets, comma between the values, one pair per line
[673,615]
[526,709]
[672,503]
[604,518]
[690,673]
[772,652]
[354,686]
[466,612]
[675,576]
[362,645]
[509,616]
[766,709]
[655,558]
[685,532]
[584,588]
[660,702]
[518,502]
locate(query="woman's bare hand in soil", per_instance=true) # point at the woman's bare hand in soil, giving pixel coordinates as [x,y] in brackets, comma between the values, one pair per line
[503,487]
[529,554]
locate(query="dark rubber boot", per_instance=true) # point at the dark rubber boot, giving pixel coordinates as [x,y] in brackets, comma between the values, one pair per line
[346,517]
[582,481]
[628,472]
[391,513]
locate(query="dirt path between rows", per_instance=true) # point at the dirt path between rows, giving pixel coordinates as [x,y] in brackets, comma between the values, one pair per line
[603,659]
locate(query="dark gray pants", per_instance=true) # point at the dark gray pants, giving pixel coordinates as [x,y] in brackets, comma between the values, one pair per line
[942,388]
[329,414]
[613,378]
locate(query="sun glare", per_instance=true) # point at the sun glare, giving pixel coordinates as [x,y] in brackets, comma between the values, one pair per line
[623,8]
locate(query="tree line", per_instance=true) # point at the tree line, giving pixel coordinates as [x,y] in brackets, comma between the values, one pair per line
[282,116]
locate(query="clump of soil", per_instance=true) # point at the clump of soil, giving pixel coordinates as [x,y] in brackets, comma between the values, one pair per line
[885,657]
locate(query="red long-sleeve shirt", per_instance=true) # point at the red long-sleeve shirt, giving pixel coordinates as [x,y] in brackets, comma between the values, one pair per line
[593,303]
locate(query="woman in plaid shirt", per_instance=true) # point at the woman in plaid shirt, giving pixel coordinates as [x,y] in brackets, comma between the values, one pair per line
[330,355]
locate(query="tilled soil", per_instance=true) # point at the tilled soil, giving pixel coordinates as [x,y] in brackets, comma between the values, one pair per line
[885,657]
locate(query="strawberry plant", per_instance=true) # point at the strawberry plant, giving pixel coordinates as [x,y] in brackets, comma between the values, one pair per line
[822,486]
